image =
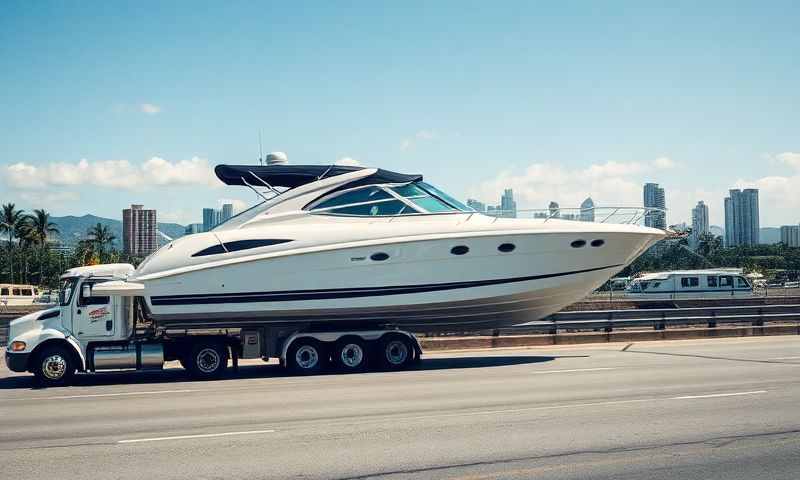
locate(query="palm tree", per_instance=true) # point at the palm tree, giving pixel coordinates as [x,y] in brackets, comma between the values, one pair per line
[11,222]
[39,228]
[100,236]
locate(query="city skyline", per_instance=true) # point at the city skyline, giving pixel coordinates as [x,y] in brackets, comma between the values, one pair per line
[549,126]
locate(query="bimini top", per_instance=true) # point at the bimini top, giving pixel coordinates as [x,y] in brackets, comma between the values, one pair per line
[291,176]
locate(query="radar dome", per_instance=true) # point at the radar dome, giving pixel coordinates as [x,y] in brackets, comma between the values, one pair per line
[277,158]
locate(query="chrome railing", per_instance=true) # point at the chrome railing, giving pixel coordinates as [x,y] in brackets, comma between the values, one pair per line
[615,214]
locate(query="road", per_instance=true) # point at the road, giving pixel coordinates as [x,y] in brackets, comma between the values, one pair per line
[705,409]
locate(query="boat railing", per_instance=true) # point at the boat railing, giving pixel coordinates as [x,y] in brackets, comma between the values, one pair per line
[613,214]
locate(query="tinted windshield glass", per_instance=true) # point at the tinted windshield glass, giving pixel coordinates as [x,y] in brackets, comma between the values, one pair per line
[444,196]
[393,207]
[67,289]
[422,198]
[355,196]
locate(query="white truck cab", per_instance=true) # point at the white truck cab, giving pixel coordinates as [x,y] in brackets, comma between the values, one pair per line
[53,343]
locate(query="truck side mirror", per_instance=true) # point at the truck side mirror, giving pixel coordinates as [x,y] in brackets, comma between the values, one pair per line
[86,291]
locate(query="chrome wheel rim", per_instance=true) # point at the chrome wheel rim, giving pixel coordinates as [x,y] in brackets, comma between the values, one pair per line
[306,357]
[208,360]
[396,352]
[54,367]
[352,355]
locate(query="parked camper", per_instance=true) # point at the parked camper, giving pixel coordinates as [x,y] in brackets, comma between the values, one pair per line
[716,283]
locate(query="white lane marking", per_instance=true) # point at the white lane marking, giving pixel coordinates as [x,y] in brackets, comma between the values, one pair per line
[204,435]
[597,369]
[95,395]
[784,358]
[717,395]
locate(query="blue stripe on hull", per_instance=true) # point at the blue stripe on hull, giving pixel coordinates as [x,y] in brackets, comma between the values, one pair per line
[336,293]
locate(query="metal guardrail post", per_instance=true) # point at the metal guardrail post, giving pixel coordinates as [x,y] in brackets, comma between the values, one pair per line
[610,325]
[760,321]
[713,322]
[661,324]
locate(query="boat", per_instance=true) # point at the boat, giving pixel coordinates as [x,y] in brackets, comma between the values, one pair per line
[15,295]
[710,283]
[346,245]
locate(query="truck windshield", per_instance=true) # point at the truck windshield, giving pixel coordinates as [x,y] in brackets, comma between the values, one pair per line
[67,289]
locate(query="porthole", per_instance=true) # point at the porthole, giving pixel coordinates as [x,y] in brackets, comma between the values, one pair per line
[459,250]
[506,247]
[578,244]
[379,256]
[598,243]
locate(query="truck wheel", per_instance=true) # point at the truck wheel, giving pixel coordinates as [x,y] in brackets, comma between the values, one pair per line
[395,351]
[207,360]
[54,366]
[350,354]
[306,356]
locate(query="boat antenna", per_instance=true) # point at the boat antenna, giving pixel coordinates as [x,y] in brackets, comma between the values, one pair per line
[326,172]
[260,152]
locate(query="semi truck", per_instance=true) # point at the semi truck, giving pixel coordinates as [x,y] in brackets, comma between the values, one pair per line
[89,332]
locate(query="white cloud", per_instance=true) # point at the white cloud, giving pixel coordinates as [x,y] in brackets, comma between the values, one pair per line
[150,108]
[664,163]
[119,174]
[789,158]
[420,136]
[348,161]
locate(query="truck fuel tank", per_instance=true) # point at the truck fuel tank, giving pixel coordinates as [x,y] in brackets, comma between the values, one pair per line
[139,356]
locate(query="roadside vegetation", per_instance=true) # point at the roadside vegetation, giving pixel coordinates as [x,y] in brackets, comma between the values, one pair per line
[28,255]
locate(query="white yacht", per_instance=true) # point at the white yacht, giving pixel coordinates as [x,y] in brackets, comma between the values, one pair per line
[712,283]
[366,246]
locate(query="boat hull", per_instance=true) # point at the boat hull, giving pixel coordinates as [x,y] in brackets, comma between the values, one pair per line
[420,286]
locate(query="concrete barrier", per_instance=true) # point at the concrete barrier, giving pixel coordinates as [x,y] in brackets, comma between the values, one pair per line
[463,343]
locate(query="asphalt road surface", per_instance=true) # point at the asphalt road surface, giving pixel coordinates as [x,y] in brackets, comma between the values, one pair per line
[718,409]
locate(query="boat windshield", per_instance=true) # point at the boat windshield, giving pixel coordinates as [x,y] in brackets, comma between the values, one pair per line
[389,200]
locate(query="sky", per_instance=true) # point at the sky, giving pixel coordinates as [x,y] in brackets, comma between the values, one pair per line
[104,104]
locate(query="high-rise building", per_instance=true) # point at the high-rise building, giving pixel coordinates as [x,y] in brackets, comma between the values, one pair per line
[654,198]
[790,235]
[699,222]
[507,203]
[741,217]
[476,205]
[209,219]
[139,231]
[554,210]
[227,211]
[193,228]
[587,210]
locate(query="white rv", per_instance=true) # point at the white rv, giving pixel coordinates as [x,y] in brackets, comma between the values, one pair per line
[716,283]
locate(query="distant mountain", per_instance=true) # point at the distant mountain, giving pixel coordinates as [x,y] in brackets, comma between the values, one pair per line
[72,229]
[769,235]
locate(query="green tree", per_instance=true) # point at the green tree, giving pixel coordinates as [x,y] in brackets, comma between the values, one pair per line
[11,223]
[100,237]
[39,229]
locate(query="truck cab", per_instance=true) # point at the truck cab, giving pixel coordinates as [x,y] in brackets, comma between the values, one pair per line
[55,342]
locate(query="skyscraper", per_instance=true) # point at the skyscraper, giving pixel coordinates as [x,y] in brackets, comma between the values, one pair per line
[790,235]
[227,211]
[507,203]
[139,231]
[209,219]
[476,205]
[699,222]
[587,210]
[654,198]
[741,217]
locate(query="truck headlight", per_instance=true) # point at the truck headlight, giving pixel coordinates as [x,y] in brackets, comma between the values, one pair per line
[18,346]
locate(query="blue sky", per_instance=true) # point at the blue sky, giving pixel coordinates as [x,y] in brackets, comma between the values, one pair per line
[106,104]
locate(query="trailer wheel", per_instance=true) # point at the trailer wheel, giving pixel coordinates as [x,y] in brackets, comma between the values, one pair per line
[306,356]
[395,352]
[207,360]
[350,354]
[54,366]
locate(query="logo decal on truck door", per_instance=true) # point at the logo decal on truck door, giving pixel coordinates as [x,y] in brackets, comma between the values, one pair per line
[98,313]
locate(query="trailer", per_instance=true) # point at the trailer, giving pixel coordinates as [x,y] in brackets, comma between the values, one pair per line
[89,331]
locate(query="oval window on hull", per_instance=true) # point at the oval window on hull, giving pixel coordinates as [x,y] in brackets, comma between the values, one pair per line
[459,250]
[578,244]
[598,243]
[507,247]
[379,256]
